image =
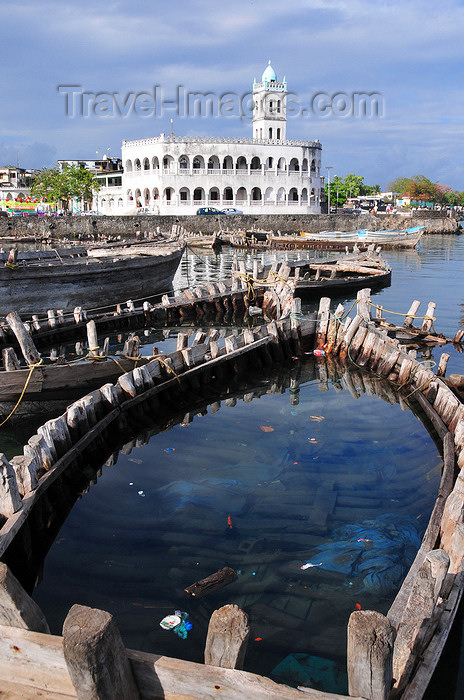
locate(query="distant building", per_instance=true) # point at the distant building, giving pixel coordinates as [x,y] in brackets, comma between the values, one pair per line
[267,173]
[15,183]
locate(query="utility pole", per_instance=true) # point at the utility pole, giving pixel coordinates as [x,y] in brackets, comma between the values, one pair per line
[328,168]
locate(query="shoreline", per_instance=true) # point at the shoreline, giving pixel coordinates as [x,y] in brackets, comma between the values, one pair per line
[72,226]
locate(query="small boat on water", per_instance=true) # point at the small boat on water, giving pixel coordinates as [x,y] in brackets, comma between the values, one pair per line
[32,281]
[407,238]
[327,240]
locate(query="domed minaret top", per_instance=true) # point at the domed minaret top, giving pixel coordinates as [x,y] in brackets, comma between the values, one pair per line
[269,74]
[269,107]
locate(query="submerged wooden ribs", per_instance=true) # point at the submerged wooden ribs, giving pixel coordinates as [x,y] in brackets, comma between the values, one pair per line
[429,597]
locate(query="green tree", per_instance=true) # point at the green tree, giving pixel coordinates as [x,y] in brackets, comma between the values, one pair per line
[351,186]
[55,185]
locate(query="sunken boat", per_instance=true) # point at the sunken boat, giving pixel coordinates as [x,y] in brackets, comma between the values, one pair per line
[318,277]
[30,280]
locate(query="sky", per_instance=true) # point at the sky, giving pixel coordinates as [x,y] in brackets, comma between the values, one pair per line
[408,54]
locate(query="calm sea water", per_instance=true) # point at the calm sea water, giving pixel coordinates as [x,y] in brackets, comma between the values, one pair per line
[267,487]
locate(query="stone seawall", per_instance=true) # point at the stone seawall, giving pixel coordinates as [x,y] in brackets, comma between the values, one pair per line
[68,227]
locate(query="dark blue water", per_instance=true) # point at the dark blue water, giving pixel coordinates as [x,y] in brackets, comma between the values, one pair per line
[267,487]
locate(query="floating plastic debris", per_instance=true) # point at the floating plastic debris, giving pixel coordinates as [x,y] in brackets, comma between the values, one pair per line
[312,440]
[136,461]
[319,353]
[170,621]
[308,565]
[169,449]
[141,493]
[178,623]
[318,419]
[357,606]
[267,428]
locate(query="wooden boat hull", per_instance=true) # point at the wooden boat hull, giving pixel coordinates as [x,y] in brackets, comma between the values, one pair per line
[87,281]
[59,381]
[362,239]
[345,285]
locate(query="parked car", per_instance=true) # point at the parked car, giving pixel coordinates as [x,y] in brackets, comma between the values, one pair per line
[231,210]
[3,213]
[209,210]
[148,210]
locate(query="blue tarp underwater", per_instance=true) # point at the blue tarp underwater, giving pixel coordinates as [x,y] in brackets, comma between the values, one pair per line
[374,554]
[311,671]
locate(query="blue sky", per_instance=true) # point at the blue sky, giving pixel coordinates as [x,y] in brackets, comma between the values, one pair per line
[409,52]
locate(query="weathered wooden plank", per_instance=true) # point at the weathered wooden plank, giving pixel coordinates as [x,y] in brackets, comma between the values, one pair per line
[41,666]
[432,532]
[417,616]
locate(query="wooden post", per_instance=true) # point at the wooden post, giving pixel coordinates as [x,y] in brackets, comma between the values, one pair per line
[12,256]
[38,450]
[441,371]
[227,639]
[408,321]
[17,609]
[182,341]
[370,655]
[30,352]
[95,656]
[92,338]
[428,321]
[26,473]
[322,324]
[10,360]
[363,298]
[333,328]
[10,499]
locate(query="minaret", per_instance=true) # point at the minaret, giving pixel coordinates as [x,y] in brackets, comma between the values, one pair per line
[270,107]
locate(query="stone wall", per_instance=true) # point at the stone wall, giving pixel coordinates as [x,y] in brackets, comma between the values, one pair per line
[68,227]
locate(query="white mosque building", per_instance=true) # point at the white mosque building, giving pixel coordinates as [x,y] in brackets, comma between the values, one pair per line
[265,174]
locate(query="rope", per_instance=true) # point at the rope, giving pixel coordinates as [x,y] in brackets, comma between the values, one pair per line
[31,369]
[398,313]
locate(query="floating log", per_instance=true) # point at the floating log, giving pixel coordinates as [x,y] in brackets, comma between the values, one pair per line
[212,583]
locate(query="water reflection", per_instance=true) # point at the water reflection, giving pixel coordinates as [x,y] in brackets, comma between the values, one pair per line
[300,481]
